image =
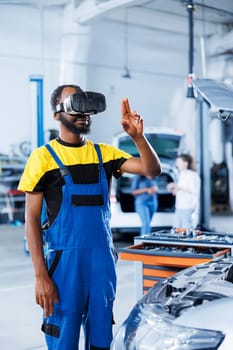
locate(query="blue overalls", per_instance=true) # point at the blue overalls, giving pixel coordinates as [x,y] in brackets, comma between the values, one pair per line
[81,262]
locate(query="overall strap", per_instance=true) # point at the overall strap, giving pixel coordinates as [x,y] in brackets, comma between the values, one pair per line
[97,148]
[63,169]
[102,174]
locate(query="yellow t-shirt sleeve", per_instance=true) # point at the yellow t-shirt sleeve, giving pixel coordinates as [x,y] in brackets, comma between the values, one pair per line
[39,162]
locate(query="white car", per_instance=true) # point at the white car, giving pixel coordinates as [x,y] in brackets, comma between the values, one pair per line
[191,310]
[168,143]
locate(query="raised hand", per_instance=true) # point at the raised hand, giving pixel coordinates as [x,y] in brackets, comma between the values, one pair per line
[131,122]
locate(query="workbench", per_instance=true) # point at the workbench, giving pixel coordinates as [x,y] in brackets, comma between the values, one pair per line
[166,252]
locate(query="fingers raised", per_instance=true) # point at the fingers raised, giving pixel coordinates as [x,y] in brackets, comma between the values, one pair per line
[125,107]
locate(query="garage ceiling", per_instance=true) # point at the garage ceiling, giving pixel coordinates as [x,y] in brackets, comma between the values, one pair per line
[34,3]
[163,15]
[159,15]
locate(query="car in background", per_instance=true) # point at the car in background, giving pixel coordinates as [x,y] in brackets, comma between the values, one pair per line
[191,310]
[168,143]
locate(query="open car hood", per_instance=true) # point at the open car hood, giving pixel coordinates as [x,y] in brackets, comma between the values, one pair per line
[218,95]
[186,311]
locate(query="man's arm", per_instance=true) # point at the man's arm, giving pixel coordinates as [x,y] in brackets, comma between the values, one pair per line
[148,164]
[45,290]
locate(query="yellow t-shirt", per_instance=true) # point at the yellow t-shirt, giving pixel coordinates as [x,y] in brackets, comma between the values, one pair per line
[42,174]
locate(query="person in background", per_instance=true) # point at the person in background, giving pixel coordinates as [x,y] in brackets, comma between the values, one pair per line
[187,192]
[75,283]
[144,190]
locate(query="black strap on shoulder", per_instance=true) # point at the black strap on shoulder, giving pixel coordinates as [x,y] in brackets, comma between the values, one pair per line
[63,169]
[97,148]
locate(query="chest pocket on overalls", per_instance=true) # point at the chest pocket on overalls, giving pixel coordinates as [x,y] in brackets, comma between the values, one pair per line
[95,196]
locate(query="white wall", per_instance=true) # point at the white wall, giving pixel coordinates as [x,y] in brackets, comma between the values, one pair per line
[31,44]
[158,65]
[26,48]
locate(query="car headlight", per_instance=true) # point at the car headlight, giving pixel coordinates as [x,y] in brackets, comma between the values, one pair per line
[147,328]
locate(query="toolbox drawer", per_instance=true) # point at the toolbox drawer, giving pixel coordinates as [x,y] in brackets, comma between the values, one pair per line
[160,261]
[171,254]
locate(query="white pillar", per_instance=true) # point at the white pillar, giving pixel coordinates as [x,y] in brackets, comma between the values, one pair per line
[74,51]
[216,140]
[230,169]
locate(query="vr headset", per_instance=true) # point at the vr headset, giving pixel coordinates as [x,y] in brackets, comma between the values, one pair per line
[82,103]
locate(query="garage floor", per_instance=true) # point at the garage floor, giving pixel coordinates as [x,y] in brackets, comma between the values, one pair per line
[20,317]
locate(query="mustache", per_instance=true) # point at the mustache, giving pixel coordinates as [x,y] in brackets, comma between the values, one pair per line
[74,118]
[70,124]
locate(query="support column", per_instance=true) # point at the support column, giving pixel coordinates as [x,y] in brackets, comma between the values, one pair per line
[204,163]
[37,113]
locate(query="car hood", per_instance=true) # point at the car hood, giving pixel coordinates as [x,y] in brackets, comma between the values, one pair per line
[207,315]
[196,304]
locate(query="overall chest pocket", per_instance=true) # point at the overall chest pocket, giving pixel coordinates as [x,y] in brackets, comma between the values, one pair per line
[87,200]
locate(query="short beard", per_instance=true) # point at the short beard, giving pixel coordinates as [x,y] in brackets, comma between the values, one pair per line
[77,130]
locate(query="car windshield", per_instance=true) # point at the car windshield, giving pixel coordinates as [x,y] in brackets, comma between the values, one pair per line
[166,145]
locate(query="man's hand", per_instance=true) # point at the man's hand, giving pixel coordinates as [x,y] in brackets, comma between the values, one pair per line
[46,294]
[131,122]
[147,163]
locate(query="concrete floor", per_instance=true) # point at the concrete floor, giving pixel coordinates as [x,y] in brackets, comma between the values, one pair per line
[20,317]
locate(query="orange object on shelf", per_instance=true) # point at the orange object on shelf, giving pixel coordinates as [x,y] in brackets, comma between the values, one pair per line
[161,260]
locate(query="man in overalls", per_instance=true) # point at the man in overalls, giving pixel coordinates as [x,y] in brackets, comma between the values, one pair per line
[69,179]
